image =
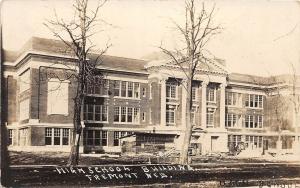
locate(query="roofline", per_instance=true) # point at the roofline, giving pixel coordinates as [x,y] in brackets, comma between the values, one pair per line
[33,52]
[122,70]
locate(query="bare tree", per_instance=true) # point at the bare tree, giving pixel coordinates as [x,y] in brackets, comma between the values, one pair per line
[295,96]
[197,31]
[78,32]
[278,109]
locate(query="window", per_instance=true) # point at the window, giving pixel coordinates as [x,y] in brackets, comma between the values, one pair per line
[210,117]
[231,120]
[193,115]
[231,98]
[10,137]
[95,112]
[129,114]
[171,88]
[234,140]
[24,81]
[123,114]
[118,135]
[23,136]
[194,93]
[104,138]
[24,109]
[126,89]
[195,86]
[57,136]
[65,139]
[144,92]
[136,115]
[116,114]
[95,138]
[254,101]
[58,96]
[254,141]
[136,90]
[123,89]
[130,90]
[170,115]
[258,121]
[254,121]
[144,116]
[126,114]
[98,86]
[211,94]
[48,136]
[117,88]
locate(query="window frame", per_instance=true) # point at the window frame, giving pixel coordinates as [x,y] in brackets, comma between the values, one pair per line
[210,115]
[98,138]
[253,121]
[10,137]
[254,101]
[89,110]
[211,92]
[61,133]
[231,120]
[171,115]
[171,90]
[128,112]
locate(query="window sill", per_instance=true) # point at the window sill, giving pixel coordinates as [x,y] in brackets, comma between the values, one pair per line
[129,98]
[170,124]
[254,128]
[97,95]
[254,108]
[91,121]
[174,99]
[126,123]
[233,127]
[215,102]
[57,145]
[234,106]
[49,114]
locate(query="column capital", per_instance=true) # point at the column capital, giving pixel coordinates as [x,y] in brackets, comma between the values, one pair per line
[204,83]
[184,81]
[163,79]
[223,85]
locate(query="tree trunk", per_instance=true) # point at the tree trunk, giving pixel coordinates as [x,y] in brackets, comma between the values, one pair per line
[188,130]
[74,155]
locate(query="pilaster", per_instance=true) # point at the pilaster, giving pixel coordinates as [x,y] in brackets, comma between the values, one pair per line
[222,106]
[163,102]
[203,104]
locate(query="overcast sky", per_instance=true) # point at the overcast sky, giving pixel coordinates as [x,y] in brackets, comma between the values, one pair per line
[258,37]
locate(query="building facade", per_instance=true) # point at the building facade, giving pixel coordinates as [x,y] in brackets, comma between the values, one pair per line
[143,96]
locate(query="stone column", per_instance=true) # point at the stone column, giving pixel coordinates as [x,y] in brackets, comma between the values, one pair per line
[183,103]
[203,104]
[163,102]
[222,106]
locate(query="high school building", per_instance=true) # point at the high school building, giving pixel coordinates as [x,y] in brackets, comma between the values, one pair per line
[143,96]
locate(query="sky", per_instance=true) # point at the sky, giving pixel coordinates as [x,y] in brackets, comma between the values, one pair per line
[260,37]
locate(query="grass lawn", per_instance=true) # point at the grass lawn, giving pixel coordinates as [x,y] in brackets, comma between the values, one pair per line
[61,158]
